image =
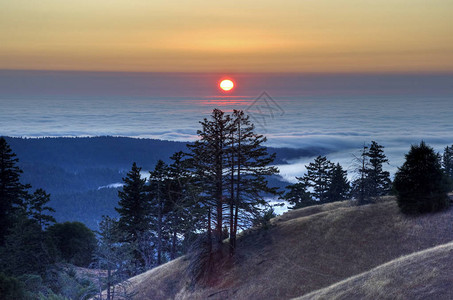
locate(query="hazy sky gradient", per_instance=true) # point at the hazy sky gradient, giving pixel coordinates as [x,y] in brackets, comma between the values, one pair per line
[228,36]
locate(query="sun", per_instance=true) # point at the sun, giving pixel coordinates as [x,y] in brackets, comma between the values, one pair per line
[226,85]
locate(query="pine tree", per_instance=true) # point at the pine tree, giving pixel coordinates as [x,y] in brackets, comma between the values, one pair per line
[420,183]
[379,182]
[447,163]
[230,167]
[12,192]
[158,193]
[319,177]
[298,194]
[183,212]
[134,210]
[249,167]
[339,186]
[360,187]
[36,208]
[323,182]
[27,250]
[372,181]
[209,160]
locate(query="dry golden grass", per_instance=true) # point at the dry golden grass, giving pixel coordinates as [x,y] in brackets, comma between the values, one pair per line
[306,250]
[427,274]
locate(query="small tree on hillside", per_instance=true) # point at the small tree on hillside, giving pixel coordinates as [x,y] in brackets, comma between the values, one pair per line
[420,183]
[339,185]
[379,181]
[360,184]
[372,180]
[319,177]
[447,163]
[134,210]
[324,182]
[298,194]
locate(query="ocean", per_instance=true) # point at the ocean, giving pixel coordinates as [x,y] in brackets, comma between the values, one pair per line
[337,113]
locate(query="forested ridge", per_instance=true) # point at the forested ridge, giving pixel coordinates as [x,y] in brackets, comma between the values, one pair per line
[72,169]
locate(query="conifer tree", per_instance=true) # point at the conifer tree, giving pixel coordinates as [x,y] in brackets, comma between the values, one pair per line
[379,183]
[12,192]
[360,184]
[339,186]
[420,182]
[26,249]
[319,177]
[37,208]
[158,193]
[134,208]
[209,161]
[230,167]
[298,194]
[183,212]
[447,163]
[372,181]
[249,161]
[135,214]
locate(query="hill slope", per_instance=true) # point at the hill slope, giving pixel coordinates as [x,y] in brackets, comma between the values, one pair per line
[305,250]
[427,274]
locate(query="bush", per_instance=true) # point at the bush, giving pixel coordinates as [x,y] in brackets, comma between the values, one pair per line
[75,242]
[11,288]
[263,220]
[420,183]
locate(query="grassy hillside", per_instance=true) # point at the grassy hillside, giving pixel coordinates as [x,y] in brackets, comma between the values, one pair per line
[423,275]
[305,250]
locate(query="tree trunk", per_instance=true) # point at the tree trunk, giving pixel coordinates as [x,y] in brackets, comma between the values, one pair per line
[109,283]
[173,246]
[209,230]
[238,183]
[232,234]
[159,228]
[219,192]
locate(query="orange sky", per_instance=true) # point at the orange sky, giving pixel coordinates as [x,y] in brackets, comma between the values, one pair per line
[228,36]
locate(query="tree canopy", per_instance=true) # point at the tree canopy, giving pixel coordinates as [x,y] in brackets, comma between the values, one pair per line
[420,183]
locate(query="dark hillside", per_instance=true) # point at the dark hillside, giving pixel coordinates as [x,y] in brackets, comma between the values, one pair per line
[305,251]
[82,174]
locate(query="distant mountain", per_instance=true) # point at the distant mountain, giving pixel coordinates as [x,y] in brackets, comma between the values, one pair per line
[73,170]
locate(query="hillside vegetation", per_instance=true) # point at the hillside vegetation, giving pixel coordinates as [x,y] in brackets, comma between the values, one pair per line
[306,250]
[73,170]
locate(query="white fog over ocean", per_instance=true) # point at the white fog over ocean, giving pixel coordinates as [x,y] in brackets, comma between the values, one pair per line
[337,117]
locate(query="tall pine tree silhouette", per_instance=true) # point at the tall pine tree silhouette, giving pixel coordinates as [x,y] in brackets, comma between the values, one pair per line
[135,213]
[12,192]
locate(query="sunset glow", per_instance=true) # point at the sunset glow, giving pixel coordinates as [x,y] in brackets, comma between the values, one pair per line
[226,85]
[247,36]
